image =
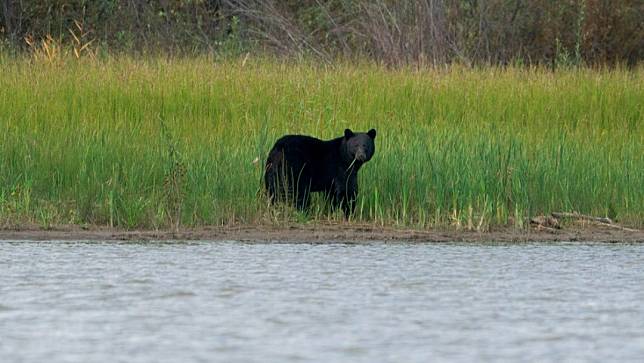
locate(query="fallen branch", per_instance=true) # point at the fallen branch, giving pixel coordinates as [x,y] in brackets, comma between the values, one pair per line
[541,227]
[560,215]
[602,221]
[617,226]
[545,222]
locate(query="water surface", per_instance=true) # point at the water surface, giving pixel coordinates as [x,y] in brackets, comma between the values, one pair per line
[376,302]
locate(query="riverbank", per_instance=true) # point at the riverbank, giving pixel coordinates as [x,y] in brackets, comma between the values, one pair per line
[326,233]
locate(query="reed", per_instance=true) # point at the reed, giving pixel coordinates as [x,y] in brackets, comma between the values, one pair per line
[158,143]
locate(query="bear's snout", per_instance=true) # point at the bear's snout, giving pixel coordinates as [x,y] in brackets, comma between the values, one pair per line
[361,155]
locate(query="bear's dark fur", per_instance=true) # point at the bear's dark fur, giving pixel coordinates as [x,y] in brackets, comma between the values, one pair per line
[298,165]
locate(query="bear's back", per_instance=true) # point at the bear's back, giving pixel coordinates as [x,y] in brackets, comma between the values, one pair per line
[301,147]
[300,150]
[298,142]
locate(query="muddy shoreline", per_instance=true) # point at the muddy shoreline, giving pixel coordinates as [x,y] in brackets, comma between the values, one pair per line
[322,233]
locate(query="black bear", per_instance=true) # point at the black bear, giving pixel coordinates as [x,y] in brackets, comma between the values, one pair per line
[298,165]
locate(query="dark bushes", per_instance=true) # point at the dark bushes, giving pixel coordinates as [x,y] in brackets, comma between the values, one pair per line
[565,32]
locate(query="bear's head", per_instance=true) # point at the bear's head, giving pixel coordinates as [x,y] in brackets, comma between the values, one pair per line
[359,146]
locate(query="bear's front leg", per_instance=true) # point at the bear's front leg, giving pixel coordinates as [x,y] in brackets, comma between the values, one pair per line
[349,203]
[303,201]
[346,195]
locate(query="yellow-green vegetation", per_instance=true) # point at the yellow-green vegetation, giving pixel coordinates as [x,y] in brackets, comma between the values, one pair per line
[158,143]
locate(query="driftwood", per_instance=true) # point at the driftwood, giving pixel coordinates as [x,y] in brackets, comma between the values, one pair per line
[561,215]
[548,229]
[602,221]
[552,222]
[546,222]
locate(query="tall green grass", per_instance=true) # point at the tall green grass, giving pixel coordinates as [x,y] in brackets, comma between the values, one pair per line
[159,143]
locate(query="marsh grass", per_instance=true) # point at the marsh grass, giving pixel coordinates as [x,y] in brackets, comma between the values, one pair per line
[160,143]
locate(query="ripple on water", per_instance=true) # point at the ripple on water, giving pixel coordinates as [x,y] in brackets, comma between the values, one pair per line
[144,302]
[175,295]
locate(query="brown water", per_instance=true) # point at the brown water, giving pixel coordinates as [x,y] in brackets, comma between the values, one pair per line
[375,302]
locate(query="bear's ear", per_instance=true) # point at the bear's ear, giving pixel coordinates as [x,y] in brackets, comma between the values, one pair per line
[348,134]
[372,133]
